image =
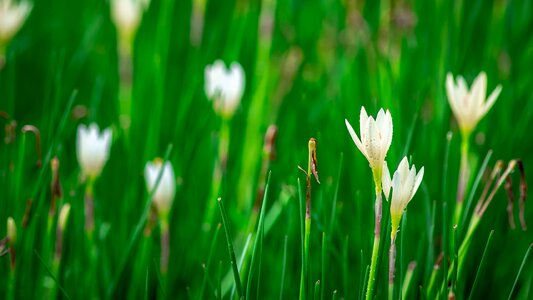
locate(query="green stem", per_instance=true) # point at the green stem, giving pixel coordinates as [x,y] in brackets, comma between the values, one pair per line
[392,261]
[377,237]
[165,246]
[372,279]
[464,173]
[89,207]
[218,172]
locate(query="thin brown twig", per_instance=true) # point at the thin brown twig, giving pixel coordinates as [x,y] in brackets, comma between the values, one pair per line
[510,196]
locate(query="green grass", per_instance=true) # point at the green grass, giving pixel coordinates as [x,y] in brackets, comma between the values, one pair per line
[309,65]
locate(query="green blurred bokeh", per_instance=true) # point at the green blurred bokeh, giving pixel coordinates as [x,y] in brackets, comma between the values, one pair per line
[324,60]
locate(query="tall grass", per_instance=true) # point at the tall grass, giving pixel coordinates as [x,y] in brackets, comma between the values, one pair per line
[309,65]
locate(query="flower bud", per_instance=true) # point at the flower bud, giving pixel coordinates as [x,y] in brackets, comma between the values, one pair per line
[163,196]
[11,231]
[127,15]
[63,216]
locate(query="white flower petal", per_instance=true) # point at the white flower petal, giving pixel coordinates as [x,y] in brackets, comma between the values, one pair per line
[490,101]
[418,179]
[372,145]
[478,91]
[386,134]
[386,182]
[363,119]
[354,137]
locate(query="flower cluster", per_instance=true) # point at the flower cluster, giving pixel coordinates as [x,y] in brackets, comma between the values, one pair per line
[375,141]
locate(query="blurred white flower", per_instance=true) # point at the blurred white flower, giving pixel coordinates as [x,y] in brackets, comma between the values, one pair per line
[92,149]
[12,16]
[376,138]
[127,15]
[404,183]
[469,106]
[224,87]
[163,196]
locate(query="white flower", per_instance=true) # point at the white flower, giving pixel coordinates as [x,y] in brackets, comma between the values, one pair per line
[92,149]
[127,15]
[376,137]
[224,86]
[164,194]
[404,183]
[469,106]
[12,16]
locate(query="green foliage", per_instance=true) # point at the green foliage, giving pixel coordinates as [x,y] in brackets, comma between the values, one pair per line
[309,65]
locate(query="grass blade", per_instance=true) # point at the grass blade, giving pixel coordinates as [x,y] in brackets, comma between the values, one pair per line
[233,260]
[284,266]
[51,275]
[316,295]
[323,269]
[474,188]
[335,197]
[208,263]
[520,271]
[481,265]
[258,240]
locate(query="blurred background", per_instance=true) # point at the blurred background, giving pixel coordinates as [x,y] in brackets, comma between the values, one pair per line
[308,65]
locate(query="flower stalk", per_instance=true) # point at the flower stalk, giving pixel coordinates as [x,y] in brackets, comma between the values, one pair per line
[162,199]
[224,87]
[219,169]
[165,245]
[374,142]
[311,170]
[464,175]
[404,184]
[89,206]
[469,106]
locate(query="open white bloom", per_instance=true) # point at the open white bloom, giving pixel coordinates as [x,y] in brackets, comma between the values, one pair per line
[164,194]
[92,149]
[12,16]
[404,183]
[224,86]
[469,106]
[376,138]
[127,15]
